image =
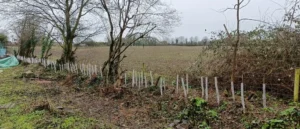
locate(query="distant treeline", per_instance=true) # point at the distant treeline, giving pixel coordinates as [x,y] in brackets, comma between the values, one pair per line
[154,42]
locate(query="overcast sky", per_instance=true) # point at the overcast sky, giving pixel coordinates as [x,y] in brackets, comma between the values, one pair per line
[198,15]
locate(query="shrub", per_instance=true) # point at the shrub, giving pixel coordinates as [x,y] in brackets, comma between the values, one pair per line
[3,40]
[287,118]
[27,46]
[47,44]
[269,52]
[198,113]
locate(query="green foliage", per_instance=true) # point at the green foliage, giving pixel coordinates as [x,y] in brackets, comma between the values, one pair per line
[223,106]
[71,122]
[292,115]
[269,109]
[47,44]
[27,46]
[95,81]
[3,40]
[152,88]
[274,124]
[16,119]
[16,53]
[198,113]
[287,118]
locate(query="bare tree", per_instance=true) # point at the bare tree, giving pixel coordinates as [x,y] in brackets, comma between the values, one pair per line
[28,32]
[134,19]
[238,6]
[291,13]
[65,16]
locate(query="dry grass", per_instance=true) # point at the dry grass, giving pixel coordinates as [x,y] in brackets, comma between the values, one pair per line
[164,60]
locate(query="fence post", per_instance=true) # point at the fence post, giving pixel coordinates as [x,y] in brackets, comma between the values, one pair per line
[202,87]
[217,90]
[296,85]
[164,83]
[187,83]
[232,90]
[264,96]
[183,86]
[160,86]
[101,74]
[139,76]
[55,67]
[151,78]
[133,78]
[146,82]
[136,77]
[177,84]
[242,97]
[206,88]
[142,78]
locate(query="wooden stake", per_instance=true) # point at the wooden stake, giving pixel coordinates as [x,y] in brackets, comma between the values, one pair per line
[160,86]
[101,71]
[206,88]
[76,68]
[177,79]
[164,83]
[142,79]
[133,78]
[217,90]
[151,78]
[71,67]
[136,78]
[139,78]
[202,87]
[187,84]
[54,67]
[232,90]
[146,82]
[183,87]
[264,96]
[242,97]
[82,68]
[89,71]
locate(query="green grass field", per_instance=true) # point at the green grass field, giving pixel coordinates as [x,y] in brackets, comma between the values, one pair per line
[166,60]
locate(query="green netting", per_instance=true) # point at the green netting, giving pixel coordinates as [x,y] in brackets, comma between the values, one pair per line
[9,62]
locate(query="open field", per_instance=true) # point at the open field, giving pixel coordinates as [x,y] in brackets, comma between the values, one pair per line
[164,60]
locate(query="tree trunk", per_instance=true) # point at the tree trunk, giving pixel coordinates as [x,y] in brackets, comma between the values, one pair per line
[113,69]
[68,52]
[236,45]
